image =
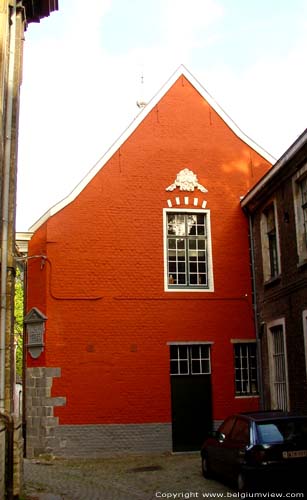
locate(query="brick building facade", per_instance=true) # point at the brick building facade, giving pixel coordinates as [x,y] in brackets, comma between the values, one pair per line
[143,276]
[277,207]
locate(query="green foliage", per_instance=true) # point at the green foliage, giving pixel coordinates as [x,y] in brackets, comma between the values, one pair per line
[18,325]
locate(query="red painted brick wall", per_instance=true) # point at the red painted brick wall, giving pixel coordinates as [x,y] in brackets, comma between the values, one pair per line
[36,292]
[102,288]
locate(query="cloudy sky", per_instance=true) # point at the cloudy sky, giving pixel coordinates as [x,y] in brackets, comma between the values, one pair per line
[83,68]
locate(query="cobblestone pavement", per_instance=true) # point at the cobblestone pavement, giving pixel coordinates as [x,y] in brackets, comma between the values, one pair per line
[142,477]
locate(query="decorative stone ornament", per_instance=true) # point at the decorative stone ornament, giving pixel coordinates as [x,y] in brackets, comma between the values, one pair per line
[186,180]
[35,326]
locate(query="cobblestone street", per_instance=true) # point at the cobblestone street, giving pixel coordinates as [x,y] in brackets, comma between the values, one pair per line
[143,477]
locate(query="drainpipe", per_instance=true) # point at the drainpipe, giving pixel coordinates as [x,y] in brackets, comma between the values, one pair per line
[258,339]
[24,359]
[5,202]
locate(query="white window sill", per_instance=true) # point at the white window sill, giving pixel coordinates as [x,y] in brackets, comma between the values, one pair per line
[248,397]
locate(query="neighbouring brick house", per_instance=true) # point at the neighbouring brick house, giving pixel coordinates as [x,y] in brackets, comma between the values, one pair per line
[141,278]
[277,207]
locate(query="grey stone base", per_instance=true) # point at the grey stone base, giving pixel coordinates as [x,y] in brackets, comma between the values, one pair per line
[41,422]
[103,440]
[45,436]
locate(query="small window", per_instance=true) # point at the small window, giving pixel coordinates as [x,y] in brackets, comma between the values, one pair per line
[190,359]
[269,241]
[303,190]
[272,240]
[300,208]
[188,260]
[246,383]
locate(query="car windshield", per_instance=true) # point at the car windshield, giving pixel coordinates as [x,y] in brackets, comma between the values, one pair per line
[279,431]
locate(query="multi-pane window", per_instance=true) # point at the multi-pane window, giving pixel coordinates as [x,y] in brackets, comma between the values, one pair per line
[246,369]
[269,243]
[303,189]
[190,359]
[299,183]
[272,240]
[187,250]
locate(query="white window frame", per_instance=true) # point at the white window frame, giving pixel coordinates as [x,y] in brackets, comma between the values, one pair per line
[190,359]
[210,287]
[281,322]
[304,315]
[299,215]
[242,342]
[265,247]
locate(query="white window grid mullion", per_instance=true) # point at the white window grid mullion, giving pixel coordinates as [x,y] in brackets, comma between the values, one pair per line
[248,381]
[207,283]
[208,358]
[183,359]
[241,369]
[188,358]
[244,357]
[179,359]
[186,262]
[195,359]
[176,260]
[203,358]
[199,359]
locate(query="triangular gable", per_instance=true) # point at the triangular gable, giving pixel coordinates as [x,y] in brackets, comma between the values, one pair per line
[181,71]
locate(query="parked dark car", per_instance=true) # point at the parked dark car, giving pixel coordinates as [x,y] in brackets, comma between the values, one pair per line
[253,450]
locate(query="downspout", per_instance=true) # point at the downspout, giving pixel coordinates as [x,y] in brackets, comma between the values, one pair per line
[24,359]
[258,339]
[5,202]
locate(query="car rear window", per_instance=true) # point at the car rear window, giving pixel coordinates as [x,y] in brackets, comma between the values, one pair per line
[282,430]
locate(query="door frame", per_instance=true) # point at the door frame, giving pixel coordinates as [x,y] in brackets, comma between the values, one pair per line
[207,374]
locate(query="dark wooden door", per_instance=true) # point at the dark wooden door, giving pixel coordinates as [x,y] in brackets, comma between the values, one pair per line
[191,411]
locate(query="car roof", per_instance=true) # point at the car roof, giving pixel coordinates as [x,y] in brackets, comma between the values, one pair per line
[269,415]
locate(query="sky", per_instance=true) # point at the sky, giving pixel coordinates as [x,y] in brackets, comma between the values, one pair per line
[85,69]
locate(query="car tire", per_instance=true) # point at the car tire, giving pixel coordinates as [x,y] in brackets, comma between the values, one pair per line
[205,467]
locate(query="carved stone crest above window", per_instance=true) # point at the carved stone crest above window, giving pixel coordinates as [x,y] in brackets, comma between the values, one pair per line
[186,180]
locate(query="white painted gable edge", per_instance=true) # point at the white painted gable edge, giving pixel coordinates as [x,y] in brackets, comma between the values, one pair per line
[182,70]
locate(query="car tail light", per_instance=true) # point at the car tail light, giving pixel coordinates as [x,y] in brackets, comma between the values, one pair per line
[258,455]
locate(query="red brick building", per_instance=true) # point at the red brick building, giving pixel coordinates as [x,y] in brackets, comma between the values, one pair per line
[142,280]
